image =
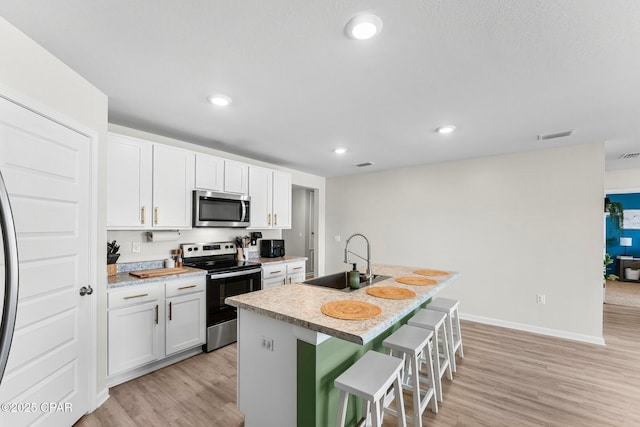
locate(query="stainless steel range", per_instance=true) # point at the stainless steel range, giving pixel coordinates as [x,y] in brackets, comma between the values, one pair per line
[227,277]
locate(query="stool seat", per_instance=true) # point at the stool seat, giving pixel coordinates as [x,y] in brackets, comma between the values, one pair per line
[443,304]
[408,339]
[450,307]
[429,319]
[369,378]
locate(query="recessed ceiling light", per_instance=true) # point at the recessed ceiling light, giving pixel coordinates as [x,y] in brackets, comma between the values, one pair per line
[220,100]
[363,27]
[340,150]
[446,129]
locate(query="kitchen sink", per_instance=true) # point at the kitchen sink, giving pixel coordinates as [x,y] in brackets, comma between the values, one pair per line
[340,281]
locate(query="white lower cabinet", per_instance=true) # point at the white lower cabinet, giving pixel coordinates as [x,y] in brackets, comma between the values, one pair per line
[135,330]
[282,273]
[273,275]
[185,316]
[148,324]
[296,272]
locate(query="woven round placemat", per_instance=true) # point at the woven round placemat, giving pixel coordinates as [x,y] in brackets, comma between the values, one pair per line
[428,272]
[350,310]
[391,292]
[417,281]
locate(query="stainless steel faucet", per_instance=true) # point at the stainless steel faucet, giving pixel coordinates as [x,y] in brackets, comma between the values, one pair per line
[369,275]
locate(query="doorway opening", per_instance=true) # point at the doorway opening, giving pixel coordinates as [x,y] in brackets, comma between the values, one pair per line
[301,239]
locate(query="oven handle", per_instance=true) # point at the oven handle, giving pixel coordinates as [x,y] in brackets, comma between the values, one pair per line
[233,274]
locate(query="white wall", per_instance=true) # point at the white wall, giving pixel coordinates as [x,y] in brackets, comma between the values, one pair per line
[627,180]
[513,225]
[155,251]
[33,76]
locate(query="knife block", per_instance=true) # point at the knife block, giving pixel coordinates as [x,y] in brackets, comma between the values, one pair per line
[112,269]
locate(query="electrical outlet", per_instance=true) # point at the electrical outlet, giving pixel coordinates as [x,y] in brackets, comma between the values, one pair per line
[135,247]
[337,238]
[267,343]
[541,298]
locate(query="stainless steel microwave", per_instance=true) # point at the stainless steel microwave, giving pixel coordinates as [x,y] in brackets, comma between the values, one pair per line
[220,209]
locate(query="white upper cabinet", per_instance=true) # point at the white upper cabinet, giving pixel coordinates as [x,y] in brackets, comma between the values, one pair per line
[209,173]
[270,193]
[129,182]
[236,177]
[261,191]
[281,200]
[172,187]
[148,185]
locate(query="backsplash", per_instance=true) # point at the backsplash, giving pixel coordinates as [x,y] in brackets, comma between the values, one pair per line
[151,251]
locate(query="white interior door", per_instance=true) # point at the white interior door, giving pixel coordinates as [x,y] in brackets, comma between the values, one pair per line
[46,170]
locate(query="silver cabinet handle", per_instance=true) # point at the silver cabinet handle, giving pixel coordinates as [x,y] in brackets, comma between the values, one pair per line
[136,296]
[11,280]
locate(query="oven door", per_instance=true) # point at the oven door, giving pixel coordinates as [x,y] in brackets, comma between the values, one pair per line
[223,285]
[220,209]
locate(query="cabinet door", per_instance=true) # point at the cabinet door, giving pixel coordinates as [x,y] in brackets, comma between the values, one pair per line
[209,173]
[128,182]
[273,282]
[133,336]
[260,190]
[185,322]
[172,187]
[281,200]
[236,177]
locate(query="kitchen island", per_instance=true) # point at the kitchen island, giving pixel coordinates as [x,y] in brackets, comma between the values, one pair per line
[289,353]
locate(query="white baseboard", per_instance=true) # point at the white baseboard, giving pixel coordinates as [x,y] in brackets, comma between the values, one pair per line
[534,329]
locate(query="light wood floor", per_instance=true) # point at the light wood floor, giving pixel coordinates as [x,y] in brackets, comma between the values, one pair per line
[507,378]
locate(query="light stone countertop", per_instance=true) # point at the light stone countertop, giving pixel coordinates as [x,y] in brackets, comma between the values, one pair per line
[300,304]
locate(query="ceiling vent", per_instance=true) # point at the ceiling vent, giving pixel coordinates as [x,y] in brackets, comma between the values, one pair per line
[556,135]
[362,165]
[629,156]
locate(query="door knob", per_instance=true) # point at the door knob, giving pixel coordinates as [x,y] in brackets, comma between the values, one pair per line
[86,290]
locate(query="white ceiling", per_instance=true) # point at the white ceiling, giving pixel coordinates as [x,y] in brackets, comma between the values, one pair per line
[502,71]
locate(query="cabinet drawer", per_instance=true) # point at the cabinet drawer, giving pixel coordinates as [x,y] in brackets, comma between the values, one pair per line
[276,270]
[185,286]
[133,295]
[295,267]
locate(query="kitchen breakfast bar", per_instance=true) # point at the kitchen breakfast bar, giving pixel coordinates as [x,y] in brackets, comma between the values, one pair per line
[289,352]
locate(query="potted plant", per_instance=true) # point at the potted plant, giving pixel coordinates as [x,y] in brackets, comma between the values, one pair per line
[616,213]
[608,261]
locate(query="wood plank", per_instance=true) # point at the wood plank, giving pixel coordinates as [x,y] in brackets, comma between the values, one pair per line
[157,272]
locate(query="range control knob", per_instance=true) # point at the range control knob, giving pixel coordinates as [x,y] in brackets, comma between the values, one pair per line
[190,249]
[195,249]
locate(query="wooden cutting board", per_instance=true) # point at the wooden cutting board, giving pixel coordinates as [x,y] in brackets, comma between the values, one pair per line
[145,274]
